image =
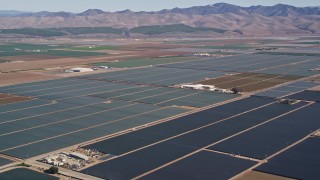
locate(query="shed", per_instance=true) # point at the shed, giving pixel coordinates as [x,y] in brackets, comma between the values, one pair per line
[79,156]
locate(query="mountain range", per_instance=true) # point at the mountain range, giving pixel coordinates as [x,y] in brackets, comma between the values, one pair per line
[255,20]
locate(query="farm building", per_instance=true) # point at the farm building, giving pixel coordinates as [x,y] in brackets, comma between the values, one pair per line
[79,156]
[198,87]
[192,86]
[78,69]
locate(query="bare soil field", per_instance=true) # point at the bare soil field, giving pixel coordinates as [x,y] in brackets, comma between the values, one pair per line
[316,79]
[22,72]
[63,62]
[22,77]
[315,88]
[8,98]
[249,82]
[151,46]
[30,57]
[317,134]
[229,42]
[156,53]
[254,175]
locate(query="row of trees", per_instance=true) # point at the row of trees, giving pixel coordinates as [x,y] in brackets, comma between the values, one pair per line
[236,90]
[52,170]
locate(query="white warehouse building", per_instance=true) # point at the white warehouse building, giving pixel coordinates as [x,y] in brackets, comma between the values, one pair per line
[79,156]
[79,69]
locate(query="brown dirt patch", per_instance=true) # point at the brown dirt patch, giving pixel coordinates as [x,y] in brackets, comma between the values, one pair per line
[249,82]
[22,77]
[254,175]
[150,46]
[228,42]
[64,62]
[8,98]
[30,57]
[317,134]
[316,79]
[315,88]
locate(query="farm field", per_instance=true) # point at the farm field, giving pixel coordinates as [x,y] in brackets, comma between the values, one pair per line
[22,173]
[131,105]
[317,88]
[202,161]
[4,161]
[316,79]
[28,50]
[23,46]
[94,48]
[146,62]
[29,57]
[22,77]
[253,175]
[6,99]
[238,47]
[141,121]
[185,142]
[63,58]
[304,153]
[288,89]
[60,53]
[249,82]
[291,53]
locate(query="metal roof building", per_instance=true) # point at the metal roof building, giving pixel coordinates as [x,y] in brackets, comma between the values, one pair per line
[79,156]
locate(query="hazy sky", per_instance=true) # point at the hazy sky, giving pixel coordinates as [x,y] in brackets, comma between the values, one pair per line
[135,5]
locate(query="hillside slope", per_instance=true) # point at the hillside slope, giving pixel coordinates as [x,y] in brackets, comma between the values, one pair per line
[254,20]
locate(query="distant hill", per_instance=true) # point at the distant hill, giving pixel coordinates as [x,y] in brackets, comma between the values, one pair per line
[268,11]
[280,19]
[91,12]
[144,30]
[219,8]
[10,13]
[47,14]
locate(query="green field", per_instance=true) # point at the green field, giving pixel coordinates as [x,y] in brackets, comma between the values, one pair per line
[193,41]
[73,53]
[93,30]
[11,47]
[146,62]
[14,53]
[314,42]
[224,53]
[52,50]
[34,32]
[27,174]
[290,53]
[96,48]
[48,32]
[225,47]
[280,46]
[147,30]
[310,38]
[61,53]
[154,30]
